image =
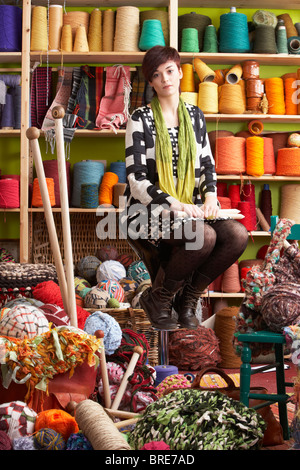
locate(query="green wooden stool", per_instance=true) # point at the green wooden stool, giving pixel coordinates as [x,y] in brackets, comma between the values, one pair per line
[246,372]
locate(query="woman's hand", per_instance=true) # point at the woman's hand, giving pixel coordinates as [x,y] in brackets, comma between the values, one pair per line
[191,210]
[210,207]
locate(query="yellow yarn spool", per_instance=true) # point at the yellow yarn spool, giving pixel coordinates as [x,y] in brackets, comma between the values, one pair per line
[95,31]
[75,19]
[234,74]
[127,29]
[55,26]
[66,43]
[189,97]
[231,99]
[187,82]
[205,73]
[255,156]
[39,29]
[208,97]
[81,42]
[290,202]
[108,30]
[242,84]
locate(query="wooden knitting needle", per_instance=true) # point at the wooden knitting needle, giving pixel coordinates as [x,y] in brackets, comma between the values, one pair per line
[137,352]
[33,135]
[58,113]
[104,375]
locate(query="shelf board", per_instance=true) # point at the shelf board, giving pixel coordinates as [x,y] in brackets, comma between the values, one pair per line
[266,4]
[106,3]
[288,118]
[74,210]
[258,178]
[10,57]
[10,132]
[223,294]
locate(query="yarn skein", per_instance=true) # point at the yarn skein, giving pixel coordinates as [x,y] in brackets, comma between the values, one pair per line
[106,188]
[255,156]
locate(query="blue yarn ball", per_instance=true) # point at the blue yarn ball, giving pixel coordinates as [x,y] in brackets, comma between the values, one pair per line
[78,441]
[110,327]
[48,439]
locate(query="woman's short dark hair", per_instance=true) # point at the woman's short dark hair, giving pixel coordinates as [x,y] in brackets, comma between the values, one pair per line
[156,56]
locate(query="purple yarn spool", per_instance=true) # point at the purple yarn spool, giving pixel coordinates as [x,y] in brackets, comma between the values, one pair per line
[10,28]
[8,115]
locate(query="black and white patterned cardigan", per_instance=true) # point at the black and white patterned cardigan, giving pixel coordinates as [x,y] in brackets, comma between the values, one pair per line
[142,177]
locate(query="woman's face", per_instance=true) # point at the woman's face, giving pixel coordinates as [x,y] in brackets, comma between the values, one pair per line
[166,79]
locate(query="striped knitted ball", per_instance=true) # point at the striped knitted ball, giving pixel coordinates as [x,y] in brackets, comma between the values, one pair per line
[87,268]
[48,439]
[113,288]
[129,286]
[138,271]
[126,259]
[55,315]
[17,419]
[96,298]
[107,252]
[110,270]
[23,320]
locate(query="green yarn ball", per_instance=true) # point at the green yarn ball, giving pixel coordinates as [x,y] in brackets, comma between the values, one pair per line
[113,303]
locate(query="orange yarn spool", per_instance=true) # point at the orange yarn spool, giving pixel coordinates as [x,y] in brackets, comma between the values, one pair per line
[36,193]
[219,77]
[250,69]
[231,99]
[230,155]
[255,156]
[225,202]
[290,93]
[269,156]
[253,104]
[288,162]
[231,279]
[106,188]
[274,88]
[254,88]
[187,82]
[58,420]
[225,328]
[298,91]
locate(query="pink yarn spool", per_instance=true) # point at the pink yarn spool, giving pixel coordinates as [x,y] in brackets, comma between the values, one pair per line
[9,193]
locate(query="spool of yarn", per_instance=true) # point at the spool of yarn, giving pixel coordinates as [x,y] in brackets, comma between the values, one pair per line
[225,202]
[98,427]
[290,94]
[95,31]
[76,19]
[244,272]
[220,76]
[265,40]
[253,105]
[274,89]
[297,26]
[288,22]
[222,189]
[160,15]
[234,33]
[81,41]
[231,99]
[245,209]
[255,127]
[7,115]
[193,20]
[118,192]
[9,193]
[55,26]
[11,28]
[264,17]
[87,268]
[106,188]
[224,329]
[66,43]
[37,200]
[16,92]
[230,155]
[290,202]
[254,88]
[191,98]
[85,172]
[250,69]
[39,29]
[108,30]
[234,75]
[266,203]
[208,97]
[187,83]
[293,44]
[213,135]
[51,171]
[89,195]
[210,42]
[58,420]
[189,40]
[269,157]
[231,279]
[162,372]
[151,35]
[205,73]
[280,140]
[248,194]
[288,162]
[255,156]
[49,439]
[234,194]
[127,19]
[119,168]
[281,40]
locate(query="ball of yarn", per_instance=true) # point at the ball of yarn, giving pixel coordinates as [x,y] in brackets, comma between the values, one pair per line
[55,315]
[110,270]
[78,441]
[110,327]
[96,298]
[113,303]
[17,419]
[23,320]
[280,306]
[138,271]
[82,286]
[126,259]
[5,256]
[87,268]
[173,382]
[5,442]
[49,439]
[129,286]
[294,140]
[24,443]
[57,420]
[113,288]
[107,252]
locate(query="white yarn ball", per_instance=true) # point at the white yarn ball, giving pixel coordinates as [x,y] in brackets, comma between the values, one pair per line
[112,270]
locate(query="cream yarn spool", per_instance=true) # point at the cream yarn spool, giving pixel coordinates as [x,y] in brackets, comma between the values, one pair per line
[208,97]
[39,29]
[55,26]
[127,29]
[75,19]
[66,42]
[205,73]
[290,202]
[108,30]
[190,97]
[81,42]
[95,31]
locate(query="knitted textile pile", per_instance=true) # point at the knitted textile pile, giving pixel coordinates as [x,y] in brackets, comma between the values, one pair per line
[195,420]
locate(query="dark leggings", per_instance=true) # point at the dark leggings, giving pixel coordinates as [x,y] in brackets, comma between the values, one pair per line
[223,243]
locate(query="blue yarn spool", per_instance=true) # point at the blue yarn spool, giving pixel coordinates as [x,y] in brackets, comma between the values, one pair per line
[281,40]
[16,92]
[119,168]
[85,172]
[294,44]
[10,28]
[89,197]
[151,35]
[8,115]
[164,371]
[234,35]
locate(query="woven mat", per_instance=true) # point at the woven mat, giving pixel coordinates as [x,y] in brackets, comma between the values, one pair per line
[215,381]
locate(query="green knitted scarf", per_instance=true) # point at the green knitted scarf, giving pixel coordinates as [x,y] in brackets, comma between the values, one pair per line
[187,153]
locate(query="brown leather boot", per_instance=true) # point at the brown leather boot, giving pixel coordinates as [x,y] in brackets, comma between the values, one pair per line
[157,303]
[185,304]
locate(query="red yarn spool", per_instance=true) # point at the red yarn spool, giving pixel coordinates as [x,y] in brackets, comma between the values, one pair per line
[234,195]
[245,209]
[9,193]
[221,189]
[225,202]
[244,272]
[51,171]
[269,156]
[248,195]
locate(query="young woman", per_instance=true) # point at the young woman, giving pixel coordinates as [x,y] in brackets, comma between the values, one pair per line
[172,196]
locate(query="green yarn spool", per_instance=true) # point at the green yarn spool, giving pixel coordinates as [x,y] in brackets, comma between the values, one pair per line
[189,40]
[151,35]
[265,40]
[281,39]
[193,20]
[210,43]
